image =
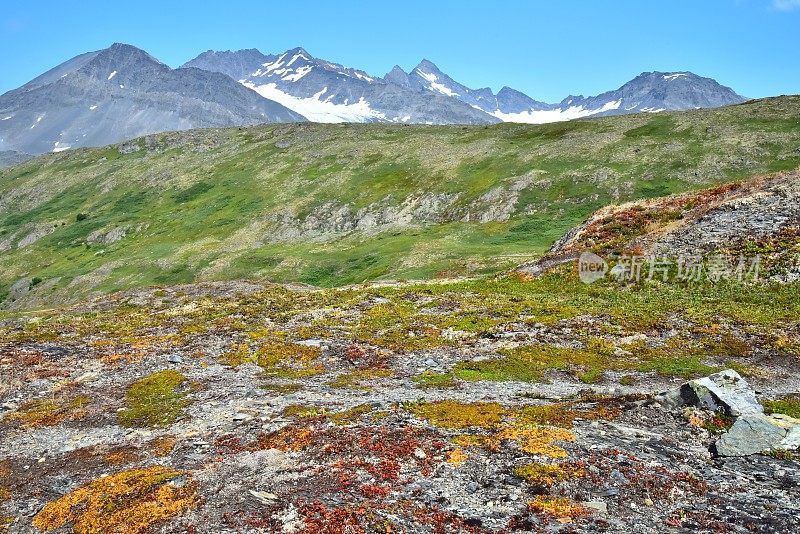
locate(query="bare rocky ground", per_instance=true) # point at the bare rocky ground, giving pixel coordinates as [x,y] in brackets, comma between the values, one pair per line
[469,406]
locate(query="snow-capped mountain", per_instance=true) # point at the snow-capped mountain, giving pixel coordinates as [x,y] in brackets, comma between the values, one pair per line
[648,92]
[122,92]
[324,91]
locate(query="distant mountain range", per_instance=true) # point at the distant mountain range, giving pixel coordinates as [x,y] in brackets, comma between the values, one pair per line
[122,92]
[119,93]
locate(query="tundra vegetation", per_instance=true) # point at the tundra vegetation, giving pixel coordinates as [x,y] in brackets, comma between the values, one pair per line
[182,400]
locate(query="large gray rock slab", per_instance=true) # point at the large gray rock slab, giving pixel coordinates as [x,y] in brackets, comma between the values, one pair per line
[752,434]
[725,391]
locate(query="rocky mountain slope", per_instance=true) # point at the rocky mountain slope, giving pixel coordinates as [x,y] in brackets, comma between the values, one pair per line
[119,93]
[343,203]
[756,217]
[12,157]
[328,92]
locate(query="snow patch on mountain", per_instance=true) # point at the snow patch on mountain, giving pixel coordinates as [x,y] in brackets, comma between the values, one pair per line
[434,84]
[317,109]
[555,115]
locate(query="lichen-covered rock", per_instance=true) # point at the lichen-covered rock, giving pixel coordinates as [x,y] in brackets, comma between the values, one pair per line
[753,434]
[724,391]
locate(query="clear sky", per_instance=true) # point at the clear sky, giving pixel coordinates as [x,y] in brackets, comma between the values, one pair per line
[547,49]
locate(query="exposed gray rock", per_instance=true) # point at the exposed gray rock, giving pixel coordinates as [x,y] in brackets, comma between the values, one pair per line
[107,237]
[752,216]
[9,158]
[792,440]
[724,391]
[752,434]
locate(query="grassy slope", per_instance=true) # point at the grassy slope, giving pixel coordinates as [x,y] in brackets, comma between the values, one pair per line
[203,201]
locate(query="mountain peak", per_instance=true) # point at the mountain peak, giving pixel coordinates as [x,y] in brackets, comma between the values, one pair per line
[125,53]
[427,65]
[399,77]
[299,50]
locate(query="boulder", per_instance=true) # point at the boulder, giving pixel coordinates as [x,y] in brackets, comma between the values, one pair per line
[752,434]
[725,391]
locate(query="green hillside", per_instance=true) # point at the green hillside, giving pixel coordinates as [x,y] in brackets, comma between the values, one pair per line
[336,204]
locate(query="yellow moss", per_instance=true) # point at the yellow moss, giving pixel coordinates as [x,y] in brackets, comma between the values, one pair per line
[347,417]
[49,412]
[238,355]
[5,522]
[128,502]
[536,440]
[548,474]
[559,507]
[456,415]
[564,414]
[470,440]
[531,439]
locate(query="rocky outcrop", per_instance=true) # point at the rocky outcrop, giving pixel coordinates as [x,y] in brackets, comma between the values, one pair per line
[753,434]
[759,216]
[725,391]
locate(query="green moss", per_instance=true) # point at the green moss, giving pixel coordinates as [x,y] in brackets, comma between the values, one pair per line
[303,411]
[788,405]
[685,367]
[429,379]
[627,380]
[282,388]
[529,363]
[355,379]
[155,401]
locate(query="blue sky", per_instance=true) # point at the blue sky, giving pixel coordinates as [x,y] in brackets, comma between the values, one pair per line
[547,49]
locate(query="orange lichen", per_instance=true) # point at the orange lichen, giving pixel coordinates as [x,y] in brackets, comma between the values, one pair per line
[548,474]
[163,446]
[128,502]
[290,438]
[558,507]
[50,412]
[123,456]
[457,457]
